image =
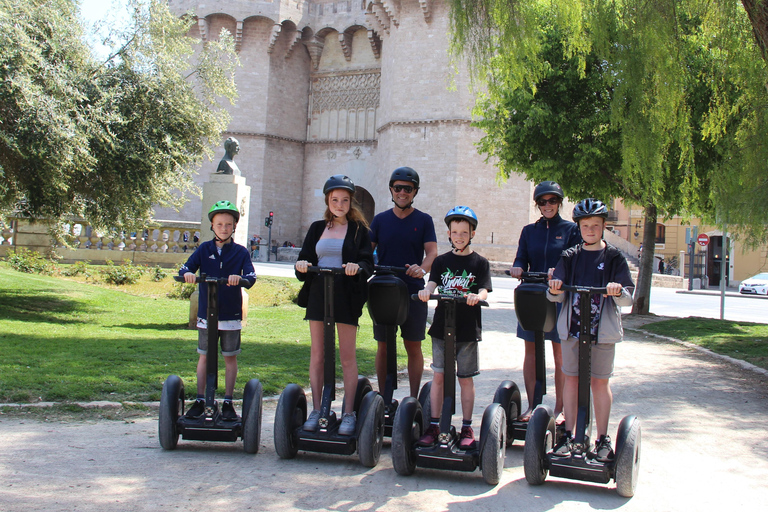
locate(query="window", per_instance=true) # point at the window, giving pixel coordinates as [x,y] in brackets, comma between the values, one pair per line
[661,232]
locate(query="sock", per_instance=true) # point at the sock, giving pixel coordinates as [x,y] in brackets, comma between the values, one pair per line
[200,397]
[227,398]
[434,421]
[466,423]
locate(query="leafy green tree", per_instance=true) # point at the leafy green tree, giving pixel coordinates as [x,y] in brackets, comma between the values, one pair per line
[656,102]
[105,140]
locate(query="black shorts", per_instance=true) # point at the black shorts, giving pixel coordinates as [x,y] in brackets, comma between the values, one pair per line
[342,308]
[415,326]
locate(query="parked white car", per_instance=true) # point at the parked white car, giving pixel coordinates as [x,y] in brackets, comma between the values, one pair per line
[756,284]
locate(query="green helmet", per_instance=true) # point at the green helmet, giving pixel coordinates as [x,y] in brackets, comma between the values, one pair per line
[224,207]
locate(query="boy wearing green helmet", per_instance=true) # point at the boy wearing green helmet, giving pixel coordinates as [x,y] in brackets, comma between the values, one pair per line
[220,257]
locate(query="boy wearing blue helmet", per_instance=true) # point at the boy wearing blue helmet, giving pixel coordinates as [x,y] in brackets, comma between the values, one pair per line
[464,273]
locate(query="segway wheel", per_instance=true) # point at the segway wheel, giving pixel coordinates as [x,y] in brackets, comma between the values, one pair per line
[291,413]
[508,395]
[539,440]
[493,443]
[252,397]
[171,406]
[363,388]
[406,430]
[425,399]
[627,456]
[371,435]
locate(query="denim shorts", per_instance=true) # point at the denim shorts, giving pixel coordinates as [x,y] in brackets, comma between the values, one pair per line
[413,329]
[466,358]
[230,342]
[602,358]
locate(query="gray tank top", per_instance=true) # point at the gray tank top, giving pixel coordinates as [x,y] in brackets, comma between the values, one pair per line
[329,252]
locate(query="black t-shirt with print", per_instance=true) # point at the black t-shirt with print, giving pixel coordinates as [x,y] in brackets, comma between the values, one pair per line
[460,275]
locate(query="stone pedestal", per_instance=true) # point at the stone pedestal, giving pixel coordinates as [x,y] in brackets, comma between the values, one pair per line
[232,188]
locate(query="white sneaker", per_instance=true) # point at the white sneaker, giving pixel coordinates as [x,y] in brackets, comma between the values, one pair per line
[348,422]
[312,422]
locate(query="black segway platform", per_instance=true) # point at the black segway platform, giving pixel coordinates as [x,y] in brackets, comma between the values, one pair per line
[411,421]
[540,435]
[291,413]
[211,426]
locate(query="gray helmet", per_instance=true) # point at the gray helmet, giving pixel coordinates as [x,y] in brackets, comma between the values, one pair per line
[589,208]
[339,181]
[548,187]
[405,174]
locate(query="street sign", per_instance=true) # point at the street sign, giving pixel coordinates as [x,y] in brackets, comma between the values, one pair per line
[702,239]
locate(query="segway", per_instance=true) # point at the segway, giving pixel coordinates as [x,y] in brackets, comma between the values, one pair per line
[388,306]
[211,426]
[534,313]
[291,413]
[540,436]
[410,423]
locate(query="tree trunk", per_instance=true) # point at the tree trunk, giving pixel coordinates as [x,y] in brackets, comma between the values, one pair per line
[642,302]
[757,11]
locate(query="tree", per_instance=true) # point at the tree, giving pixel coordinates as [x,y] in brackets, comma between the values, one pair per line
[643,101]
[105,140]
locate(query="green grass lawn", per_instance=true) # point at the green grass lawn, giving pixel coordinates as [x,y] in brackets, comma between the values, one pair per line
[64,340]
[740,340]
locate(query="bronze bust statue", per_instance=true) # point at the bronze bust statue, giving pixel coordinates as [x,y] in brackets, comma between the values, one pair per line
[227,164]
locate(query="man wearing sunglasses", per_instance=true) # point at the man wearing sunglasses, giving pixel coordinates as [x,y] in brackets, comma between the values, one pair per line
[405,237]
[539,250]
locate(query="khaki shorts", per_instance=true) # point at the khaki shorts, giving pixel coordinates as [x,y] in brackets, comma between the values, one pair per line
[602,358]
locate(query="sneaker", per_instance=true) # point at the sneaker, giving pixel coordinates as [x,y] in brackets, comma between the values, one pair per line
[430,436]
[348,423]
[228,411]
[602,452]
[467,438]
[197,409]
[563,446]
[313,422]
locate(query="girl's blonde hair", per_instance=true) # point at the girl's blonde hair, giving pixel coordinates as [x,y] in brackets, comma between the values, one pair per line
[353,215]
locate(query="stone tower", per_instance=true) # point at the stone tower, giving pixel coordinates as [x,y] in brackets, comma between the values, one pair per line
[355,87]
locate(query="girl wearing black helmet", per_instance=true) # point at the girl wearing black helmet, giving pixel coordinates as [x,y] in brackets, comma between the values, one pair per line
[594,263]
[340,239]
[538,250]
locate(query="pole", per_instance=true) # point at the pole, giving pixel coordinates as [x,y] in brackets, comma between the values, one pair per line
[269,243]
[723,270]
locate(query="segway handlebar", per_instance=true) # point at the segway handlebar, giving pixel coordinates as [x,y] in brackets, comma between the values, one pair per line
[386,269]
[532,277]
[312,269]
[460,300]
[206,279]
[592,290]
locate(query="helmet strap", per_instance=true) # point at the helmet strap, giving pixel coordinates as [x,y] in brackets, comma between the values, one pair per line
[456,249]
[224,241]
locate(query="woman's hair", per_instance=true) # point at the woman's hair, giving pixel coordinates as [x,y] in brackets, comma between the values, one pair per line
[354,214]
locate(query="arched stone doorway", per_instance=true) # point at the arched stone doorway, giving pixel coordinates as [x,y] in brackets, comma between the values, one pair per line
[365,201]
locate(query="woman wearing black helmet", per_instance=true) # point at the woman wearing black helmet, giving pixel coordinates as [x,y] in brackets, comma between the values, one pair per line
[539,249]
[339,239]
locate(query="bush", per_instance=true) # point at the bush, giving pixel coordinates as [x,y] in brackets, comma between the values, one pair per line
[126,273]
[181,291]
[158,274]
[30,262]
[78,268]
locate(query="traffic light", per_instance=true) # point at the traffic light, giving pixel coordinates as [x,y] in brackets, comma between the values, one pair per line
[268,220]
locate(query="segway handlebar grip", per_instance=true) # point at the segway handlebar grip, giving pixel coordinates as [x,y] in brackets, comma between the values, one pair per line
[532,277]
[387,269]
[460,300]
[592,290]
[205,279]
[312,269]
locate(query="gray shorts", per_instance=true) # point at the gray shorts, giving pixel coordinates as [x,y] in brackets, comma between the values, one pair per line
[466,358]
[602,358]
[230,342]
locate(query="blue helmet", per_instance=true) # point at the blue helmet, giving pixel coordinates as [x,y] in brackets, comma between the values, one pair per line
[461,212]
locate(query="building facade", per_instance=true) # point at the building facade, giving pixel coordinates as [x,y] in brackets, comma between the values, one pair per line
[360,88]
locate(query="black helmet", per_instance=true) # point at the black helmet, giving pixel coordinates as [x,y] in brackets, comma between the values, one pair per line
[548,187]
[405,174]
[339,181]
[461,212]
[589,208]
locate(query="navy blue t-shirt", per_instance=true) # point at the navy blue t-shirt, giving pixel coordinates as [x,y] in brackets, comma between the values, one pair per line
[400,242]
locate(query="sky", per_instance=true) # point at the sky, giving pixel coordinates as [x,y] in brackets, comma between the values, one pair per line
[92,11]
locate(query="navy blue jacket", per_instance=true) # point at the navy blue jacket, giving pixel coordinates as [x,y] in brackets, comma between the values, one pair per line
[542,243]
[234,260]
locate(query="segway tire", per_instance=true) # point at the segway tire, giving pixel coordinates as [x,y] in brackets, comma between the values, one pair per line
[493,433]
[627,456]
[407,428]
[291,413]
[425,399]
[508,395]
[171,406]
[371,436]
[252,399]
[539,440]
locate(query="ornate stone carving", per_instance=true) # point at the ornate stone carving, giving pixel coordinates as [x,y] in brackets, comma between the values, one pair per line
[425,9]
[202,25]
[375,41]
[276,29]
[238,36]
[346,92]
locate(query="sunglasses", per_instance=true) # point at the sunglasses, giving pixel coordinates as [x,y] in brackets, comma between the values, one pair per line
[551,200]
[400,188]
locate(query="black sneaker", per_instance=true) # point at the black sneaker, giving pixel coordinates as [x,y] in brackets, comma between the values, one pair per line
[197,409]
[602,451]
[563,446]
[228,411]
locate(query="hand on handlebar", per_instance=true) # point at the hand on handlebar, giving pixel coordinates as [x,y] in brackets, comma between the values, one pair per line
[613,289]
[424,295]
[515,272]
[554,286]
[351,269]
[233,280]
[189,277]
[302,265]
[415,271]
[472,299]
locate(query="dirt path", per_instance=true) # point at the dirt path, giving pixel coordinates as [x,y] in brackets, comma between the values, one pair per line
[704,448]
